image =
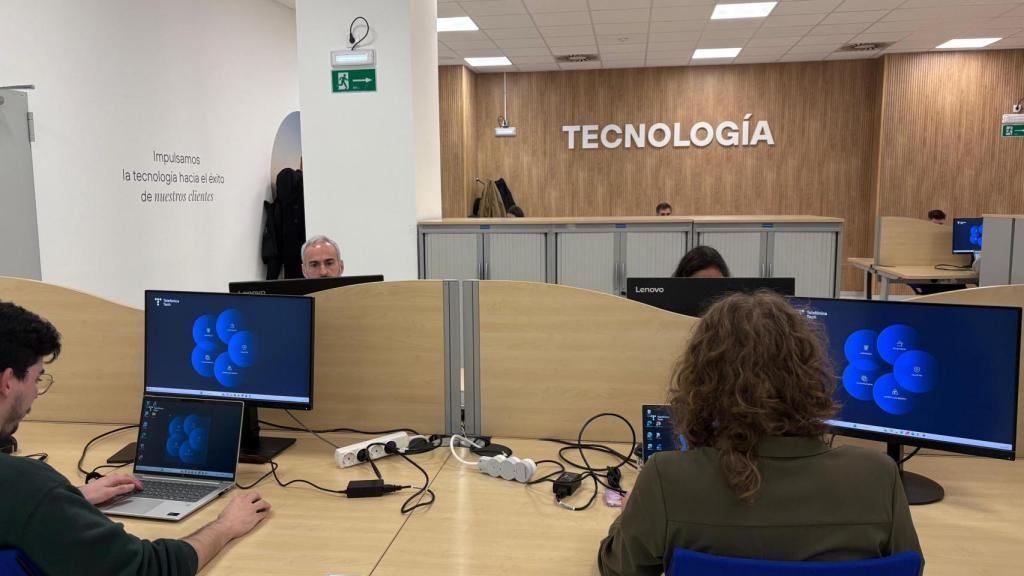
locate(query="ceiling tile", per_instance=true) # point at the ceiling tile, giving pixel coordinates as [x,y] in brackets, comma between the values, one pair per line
[728,33]
[883,27]
[471,44]
[801,58]
[658,3]
[852,55]
[575,49]
[539,67]
[857,5]
[611,29]
[719,43]
[622,48]
[675,61]
[461,36]
[540,6]
[853,28]
[562,31]
[805,7]
[817,50]
[682,13]
[741,59]
[637,63]
[617,16]
[765,51]
[494,7]
[521,43]
[677,26]
[794,20]
[881,37]
[671,47]
[579,65]
[782,32]
[503,21]
[712,61]
[513,52]
[772,42]
[624,39]
[623,57]
[517,60]
[619,4]
[508,33]
[854,17]
[562,19]
[674,36]
[570,40]
[824,41]
[449,10]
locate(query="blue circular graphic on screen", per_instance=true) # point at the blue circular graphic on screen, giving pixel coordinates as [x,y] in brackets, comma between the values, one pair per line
[242,349]
[204,332]
[891,397]
[860,348]
[192,421]
[976,233]
[198,439]
[190,455]
[202,361]
[916,371]
[895,340]
[860,382]
[229,323]
[174,444]
[176,426]
[227,372]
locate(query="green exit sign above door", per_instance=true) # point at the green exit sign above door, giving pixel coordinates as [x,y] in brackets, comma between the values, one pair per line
[364,80]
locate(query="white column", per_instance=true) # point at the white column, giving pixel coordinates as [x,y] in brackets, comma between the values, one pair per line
[372,161]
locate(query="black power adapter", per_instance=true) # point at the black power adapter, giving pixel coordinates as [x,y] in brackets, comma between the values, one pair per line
[566,484]
[370,488]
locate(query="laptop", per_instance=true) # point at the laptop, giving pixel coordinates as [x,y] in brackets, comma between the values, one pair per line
[659,433]
[186,456]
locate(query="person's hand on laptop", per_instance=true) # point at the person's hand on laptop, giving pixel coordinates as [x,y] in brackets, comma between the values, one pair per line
[102,489]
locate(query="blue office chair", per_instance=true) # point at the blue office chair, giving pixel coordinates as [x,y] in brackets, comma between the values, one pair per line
[690,563]
[15,563]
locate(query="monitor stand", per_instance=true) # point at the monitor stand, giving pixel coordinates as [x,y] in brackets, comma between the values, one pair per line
[919,489]
[256,449]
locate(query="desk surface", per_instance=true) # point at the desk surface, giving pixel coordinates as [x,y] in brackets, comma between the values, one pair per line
[924,273]
[308,532]
[483,525]
[861,263]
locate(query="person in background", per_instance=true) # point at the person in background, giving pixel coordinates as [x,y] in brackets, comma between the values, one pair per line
[515,212]
[663,209]
[58,525]
[702,262]
[321,258]
[937,216]
[751,394]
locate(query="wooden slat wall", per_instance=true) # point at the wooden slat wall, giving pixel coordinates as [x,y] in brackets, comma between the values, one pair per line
[940,140]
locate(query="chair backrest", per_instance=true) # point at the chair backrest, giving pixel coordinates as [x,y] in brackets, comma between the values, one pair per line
[13,562]
[690,563]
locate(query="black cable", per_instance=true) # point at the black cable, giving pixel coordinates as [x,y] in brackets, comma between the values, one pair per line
[41,456]
[331,430]
[351,37]
[548,477]
[590,471]
[909,456]
[273,472]
[951,267]
[425,488]
[89,476]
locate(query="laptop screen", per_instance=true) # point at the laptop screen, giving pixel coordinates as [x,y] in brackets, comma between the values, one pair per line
[659,432]
[189,437]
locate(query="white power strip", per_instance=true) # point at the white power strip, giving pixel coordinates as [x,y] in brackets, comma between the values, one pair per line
[347,456]
[509,468]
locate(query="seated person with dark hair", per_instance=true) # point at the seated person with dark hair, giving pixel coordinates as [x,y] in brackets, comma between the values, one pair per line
[58,526]
[702,262]
[663,209]
[937,216]
[751,394]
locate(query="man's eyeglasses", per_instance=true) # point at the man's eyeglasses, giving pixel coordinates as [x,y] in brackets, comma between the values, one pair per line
[43,383]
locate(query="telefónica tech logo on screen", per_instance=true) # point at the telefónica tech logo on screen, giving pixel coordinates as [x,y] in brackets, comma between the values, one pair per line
[888,368]
[224,347]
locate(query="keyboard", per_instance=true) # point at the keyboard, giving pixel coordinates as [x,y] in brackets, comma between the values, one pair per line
[176,491]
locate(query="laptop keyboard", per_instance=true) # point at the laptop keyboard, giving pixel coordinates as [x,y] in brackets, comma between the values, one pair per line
[176,491]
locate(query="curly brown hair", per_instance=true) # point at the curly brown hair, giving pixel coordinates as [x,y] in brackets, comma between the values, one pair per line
[754,367]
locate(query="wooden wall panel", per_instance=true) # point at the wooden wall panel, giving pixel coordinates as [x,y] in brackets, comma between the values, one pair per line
[822,163]
[458,150]
[940,140]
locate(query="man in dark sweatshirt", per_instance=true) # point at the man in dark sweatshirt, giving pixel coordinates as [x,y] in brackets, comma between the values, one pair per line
[56,525]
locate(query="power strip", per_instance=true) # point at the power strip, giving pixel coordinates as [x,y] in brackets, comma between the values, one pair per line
[348,456]
[509,468]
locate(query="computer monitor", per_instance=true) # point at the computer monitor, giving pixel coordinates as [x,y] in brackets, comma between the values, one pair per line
[967,235]
[692,296]
[298,286]
[937,376]
[257,349]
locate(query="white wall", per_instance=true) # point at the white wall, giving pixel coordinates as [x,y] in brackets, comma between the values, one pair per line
[118,79]
[372,159]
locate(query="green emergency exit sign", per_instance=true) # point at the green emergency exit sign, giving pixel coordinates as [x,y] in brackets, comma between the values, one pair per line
[364,80]
[1013,126]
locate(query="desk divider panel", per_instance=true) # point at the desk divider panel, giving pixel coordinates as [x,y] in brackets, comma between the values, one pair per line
[380,359]
[1007,295]
[903,241]
[98,376]
[552,356]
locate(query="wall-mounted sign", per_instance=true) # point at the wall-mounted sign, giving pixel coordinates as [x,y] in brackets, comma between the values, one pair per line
[354,80]
[1013,126]
[661,134]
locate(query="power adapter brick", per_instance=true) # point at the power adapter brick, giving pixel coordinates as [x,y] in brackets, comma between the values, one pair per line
[566,484]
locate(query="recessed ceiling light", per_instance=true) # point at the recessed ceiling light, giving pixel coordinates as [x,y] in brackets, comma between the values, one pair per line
[747,10]
[489,61]
[969,42]
[716,53]
[459,24]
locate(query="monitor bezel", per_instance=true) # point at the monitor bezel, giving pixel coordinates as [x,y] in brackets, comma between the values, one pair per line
[972,250]
[923,442]
[256,402]
[241,286]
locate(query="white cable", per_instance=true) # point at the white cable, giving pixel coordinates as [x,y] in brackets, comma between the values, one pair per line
[457,457]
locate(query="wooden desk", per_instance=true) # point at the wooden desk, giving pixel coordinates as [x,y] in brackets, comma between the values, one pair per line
[308,532]
[484,525]
[867,266]
[922,275]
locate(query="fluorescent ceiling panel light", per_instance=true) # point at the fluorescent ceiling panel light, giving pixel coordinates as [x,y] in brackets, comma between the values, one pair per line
[969,42]
[716,53]
[490,61]
[748,10]
[459,24]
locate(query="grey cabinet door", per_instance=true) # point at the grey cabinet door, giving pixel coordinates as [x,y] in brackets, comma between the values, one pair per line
[743,251]
[587,260]
[809,257]
[19,234]
[519,256]
[451,256]
[653,254]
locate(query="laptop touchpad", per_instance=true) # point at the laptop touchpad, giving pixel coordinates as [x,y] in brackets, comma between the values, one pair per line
[133,506]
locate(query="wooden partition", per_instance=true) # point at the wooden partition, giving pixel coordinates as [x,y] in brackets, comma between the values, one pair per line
[1008,295]
[98,376]
[913,242]
[379,358]
[553,356]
